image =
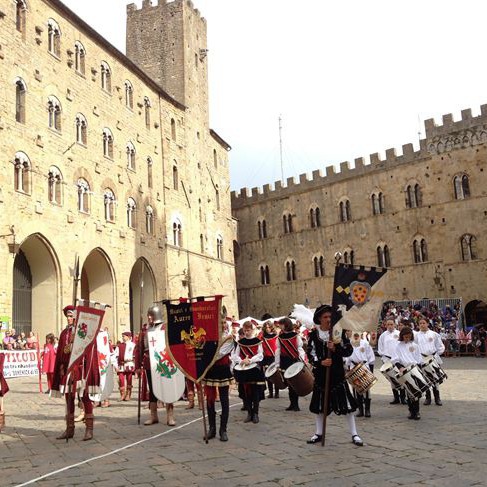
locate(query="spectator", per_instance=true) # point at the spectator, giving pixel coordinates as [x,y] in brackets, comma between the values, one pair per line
[21,341]
[31,341]
[48,360]
[8,341]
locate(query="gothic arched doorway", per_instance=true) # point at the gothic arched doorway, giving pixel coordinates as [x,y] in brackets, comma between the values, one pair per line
[475,312]
[141,273]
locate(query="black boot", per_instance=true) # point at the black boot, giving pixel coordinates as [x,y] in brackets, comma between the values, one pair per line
[417,416]
[224,401]
[211,433]
[248,407]
[276,392]
[436,393]
[367,408]
[255,412]
[402,395]
[360,406]
[396,397]
[427,400]
[270,386]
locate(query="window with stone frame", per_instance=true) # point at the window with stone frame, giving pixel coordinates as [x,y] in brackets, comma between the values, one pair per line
[202,243]
[53,38]
[81,129]
[287,220]
[147,110]
[219,247]
[319,266]
[21,16]
[377,199]
[173,129]
[129,95]
[79,58]
[149,220]
[131,213]
[315,217]
[130,149]
[420,250]
[106,77]
[149,173]
[413,195]
[217,198]
[55,182]
[345,211]
[83,196]
[215,159]
[383,256]
[291,270]
[109,203]
[22,173]
[107,143]
[468,244]
[461,186]
[175,177]
[54,113]
[264,275]
[20,96]
[177,233]
[349,256]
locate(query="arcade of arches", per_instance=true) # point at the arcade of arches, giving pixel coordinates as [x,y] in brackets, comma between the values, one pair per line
[42,286]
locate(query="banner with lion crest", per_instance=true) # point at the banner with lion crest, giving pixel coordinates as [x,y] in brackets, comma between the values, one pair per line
[358,296]
[193,334]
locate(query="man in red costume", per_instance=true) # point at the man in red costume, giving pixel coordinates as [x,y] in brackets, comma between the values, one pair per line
[84,378]
[125,365]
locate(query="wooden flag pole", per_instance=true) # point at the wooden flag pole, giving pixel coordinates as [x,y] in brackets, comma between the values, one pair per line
[140,344]
[201,400]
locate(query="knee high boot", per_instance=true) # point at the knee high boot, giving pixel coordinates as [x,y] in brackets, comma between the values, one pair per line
[360,404]
[211,422]
[69,432]
[248,406]
[224,401]
[395,392]
[402,395]
[255,412]
[427,399]
[170,415]
[89,422]
[153,414]
[367,407]
[270,386]
[436,393]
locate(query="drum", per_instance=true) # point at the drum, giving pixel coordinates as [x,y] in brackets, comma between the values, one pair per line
[274,375]
[248,373]
[413,381]
[432,370]
[389,372]
[300,378]
[360,378]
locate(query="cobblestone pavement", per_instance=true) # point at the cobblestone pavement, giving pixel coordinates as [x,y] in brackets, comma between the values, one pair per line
[446,448]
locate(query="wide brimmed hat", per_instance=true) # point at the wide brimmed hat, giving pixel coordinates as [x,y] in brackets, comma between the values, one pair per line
[70,309]
[324,308]
[127,333]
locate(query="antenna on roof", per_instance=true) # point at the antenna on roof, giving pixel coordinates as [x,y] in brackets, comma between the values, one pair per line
[419,129]
[280,147]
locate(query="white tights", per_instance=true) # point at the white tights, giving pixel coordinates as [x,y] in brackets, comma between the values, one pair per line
[350,420]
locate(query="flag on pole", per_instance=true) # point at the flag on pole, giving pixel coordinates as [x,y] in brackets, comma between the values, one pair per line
[358,296]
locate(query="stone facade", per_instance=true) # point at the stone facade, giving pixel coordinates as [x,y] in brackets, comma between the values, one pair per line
[435,196]
[170,213]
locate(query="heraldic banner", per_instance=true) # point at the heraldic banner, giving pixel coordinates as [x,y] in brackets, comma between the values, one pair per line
[358,296]
[193,335]
[88,322]
[105,368]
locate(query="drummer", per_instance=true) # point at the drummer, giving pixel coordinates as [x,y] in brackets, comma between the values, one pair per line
[248,351]
[323,353]
[405,354]
[362,354]
[430,343]
[289,351]
[268,336]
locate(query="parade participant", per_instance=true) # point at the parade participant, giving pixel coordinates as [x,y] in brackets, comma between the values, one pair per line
[124,354]
[249,351]
[142,360]
[387,343]
[362,353]
[81,378]
[3,390]
[323,353]
[218,379]
[269,347]
[407,353]
[48,360]
[430,343]
[289,350]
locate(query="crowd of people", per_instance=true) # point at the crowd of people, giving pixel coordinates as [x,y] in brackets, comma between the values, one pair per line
[19,341]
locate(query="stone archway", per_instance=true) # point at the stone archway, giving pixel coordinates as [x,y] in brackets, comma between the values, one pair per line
[35,303]
[140,269]
[97,284]
[475,312]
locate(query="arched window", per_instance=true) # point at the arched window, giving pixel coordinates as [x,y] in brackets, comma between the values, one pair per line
[202,243]
[288,271]
[107,143]
[22,172]
[217,198]
[81,129]
[345,211]
[413,196]
[380,256]
[79,58]
[173,129]
[54,188]
[319,266]
[149,172]
[469,247]
[177,233]
[131,212]
[387,256]
[287,220]
[147,107]
[130,149]
[175,178]
[420,250]
[129,95]
[200,210]
[215,159]
[149,220]
[20,16]
[264,275]
[349,257]
[20,91]
[418,195]
[53,38]
[461,186]
[377,203]
[219,247]
[312,217]
[54,112]
[83,196]
[109,205]
[106,77]
[291,270]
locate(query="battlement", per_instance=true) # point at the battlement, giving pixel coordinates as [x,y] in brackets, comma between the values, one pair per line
[153,4]
[449,125]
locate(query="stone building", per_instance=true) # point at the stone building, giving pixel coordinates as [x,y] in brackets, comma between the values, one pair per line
[423,214]
[109,158]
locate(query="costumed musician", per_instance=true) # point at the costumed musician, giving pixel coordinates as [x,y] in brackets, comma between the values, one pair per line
[386,346]
[3,390]
[407,353]
[142,361]
[249,351]
[323,353]
[269,339]
[430,343]
[83,379]
[218,379]
[289,350]
[362,353]
[124,355]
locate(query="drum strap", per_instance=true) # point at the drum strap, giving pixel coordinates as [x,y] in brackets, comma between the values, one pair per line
[247,351]
[266,344]
[290,348]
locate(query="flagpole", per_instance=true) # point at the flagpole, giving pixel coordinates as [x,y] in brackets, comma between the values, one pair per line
[141,345]
[327,385]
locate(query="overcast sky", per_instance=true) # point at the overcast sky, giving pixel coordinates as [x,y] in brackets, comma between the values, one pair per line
[348,77]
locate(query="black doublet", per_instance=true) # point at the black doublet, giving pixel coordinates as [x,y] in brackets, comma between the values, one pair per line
[341,399]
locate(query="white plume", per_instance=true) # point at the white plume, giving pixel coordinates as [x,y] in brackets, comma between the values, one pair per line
[303,314]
